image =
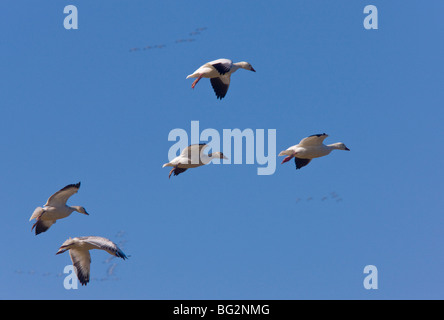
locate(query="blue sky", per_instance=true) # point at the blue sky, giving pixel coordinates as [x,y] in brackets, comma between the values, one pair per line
[78,105]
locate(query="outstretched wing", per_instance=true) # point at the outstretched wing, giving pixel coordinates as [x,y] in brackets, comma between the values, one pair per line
[314,140]
[104,244]
[220,85]
[60,197]
[81,260]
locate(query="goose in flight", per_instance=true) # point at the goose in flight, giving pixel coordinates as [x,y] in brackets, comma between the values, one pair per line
[55,209]
[309,148]
[192,157]
[219,71]
[80,257]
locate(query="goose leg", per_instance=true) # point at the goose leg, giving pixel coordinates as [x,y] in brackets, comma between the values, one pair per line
[286,159]
[171,172]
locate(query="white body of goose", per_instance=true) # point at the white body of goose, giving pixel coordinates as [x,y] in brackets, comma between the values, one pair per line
[80,257]
[310,148]
[219,71]
[55,209]
[192,157]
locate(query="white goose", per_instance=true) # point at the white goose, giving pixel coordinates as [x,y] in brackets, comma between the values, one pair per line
[219,71]
[55,209]
[80,257]
[192,157]
[309,148]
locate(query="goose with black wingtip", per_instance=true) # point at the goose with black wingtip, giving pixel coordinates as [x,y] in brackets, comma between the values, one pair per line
[192,157]
[79,252]
[55,209]
[309,148]
[219,72]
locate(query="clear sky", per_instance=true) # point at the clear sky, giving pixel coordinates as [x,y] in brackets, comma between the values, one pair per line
[80,105]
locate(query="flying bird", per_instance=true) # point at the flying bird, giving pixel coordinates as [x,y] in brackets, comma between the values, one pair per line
[310,148]
[80,257]
[55,209]
[219,71]
[192,157]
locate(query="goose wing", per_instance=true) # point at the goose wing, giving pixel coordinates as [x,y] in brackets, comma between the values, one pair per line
[222,66]
[301,162]
[104,244]
[42,225]
[60,197]
[314,140]
[220,85]
[81,260]
[193,150]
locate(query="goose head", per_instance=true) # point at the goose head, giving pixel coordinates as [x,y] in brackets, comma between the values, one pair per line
[340,146]
[246,66]
[80,209]
[217,155]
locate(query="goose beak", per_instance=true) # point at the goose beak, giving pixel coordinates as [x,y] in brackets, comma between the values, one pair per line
[86,213]
[347,149]
[252,69]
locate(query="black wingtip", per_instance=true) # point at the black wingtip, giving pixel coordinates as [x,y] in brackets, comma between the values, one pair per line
[178,171]
[301,162]
[220,88]
[75,185]
[318,135]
